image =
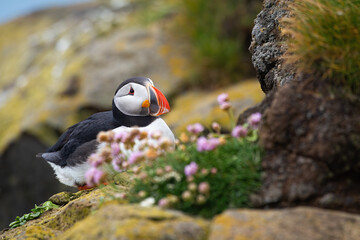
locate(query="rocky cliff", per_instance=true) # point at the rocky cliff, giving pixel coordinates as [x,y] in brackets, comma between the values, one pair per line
[311,128]
[83,217]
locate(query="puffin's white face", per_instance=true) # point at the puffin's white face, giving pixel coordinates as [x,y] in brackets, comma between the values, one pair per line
[130,98]
[135,99]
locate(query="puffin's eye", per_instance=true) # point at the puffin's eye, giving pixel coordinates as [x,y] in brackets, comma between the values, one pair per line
[131,92]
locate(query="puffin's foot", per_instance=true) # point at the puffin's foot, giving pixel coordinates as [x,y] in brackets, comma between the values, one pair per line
[86,187]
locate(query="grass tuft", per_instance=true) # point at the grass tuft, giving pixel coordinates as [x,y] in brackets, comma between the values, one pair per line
[325,40]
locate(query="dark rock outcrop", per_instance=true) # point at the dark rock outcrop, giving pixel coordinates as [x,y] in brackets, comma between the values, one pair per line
[310,131]
[24,182]
[267,48]
[312,148]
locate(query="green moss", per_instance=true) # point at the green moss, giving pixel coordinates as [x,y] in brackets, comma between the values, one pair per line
[325,36]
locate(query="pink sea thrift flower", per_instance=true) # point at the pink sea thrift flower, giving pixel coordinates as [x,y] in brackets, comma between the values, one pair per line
[191,169]
[134,157]
[96,160]
[216,127]
[195,128]
[117,162]
[163,202]
[94,176]
[254,120]
[222,98]
[121,136]
[115,148]
[239,131]
[225,106]
[204,187]
[204,144]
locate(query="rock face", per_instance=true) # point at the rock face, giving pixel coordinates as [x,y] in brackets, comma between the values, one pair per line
[267,48]
[310,131]
[108,221]
[18,191]
[312,149]
[83,217]
[134,222]
[297,224]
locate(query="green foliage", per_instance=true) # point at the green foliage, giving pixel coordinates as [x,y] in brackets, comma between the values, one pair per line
[325,40]
[237,165]
[35,213]
[220,34]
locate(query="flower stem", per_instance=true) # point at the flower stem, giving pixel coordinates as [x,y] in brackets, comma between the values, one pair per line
[231,116]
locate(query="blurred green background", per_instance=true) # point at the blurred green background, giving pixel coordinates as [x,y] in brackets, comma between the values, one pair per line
[60,63]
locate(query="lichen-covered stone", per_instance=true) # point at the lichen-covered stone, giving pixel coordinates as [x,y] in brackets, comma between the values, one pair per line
[135,222]
[296,224]
[199,106]
[55,221]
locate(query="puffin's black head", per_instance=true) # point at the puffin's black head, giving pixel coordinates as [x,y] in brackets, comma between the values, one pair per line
[138,97]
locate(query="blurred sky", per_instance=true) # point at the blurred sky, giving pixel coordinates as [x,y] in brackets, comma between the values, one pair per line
[10,9]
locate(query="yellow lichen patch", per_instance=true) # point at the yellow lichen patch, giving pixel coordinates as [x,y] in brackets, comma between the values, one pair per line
[198,106]
[135,222]
[38,232]
[178,68]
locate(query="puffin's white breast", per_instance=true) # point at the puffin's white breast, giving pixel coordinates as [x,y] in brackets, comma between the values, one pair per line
[157,125]
[75,175]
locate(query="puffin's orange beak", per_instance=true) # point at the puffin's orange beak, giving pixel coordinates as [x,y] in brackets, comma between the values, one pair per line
[158,102]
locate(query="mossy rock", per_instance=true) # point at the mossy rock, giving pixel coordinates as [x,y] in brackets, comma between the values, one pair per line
[134,222]
[55,221]
[202,106]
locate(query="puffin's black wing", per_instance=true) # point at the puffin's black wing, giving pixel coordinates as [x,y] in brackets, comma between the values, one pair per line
[81,133]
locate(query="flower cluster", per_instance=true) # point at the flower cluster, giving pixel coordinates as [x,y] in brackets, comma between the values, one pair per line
[124,149]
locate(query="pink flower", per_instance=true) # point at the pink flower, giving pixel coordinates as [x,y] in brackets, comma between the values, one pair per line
[254,120]
[121,136]
[204,187]
[204,144]
[94,176]
[213,171]
[117,161]
[222,98]
[95,160]
[216,127]
[239,131]
[191,169]
[225,106]
[195,128]
[134,157]
[115,148]
[163,203]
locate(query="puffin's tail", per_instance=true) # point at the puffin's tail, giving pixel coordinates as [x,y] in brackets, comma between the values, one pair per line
[53,157]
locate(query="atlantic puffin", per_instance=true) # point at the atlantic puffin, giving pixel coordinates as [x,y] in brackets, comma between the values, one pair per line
[136,104]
